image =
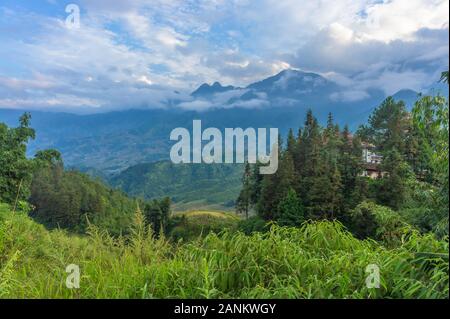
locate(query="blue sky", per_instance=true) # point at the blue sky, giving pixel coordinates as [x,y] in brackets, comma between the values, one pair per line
[137,53]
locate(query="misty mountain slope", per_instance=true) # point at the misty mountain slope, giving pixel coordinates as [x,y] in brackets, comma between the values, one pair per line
[111,142]
[295,84]
[209,90]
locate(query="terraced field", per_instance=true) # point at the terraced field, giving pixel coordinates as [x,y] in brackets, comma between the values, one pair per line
[205,213]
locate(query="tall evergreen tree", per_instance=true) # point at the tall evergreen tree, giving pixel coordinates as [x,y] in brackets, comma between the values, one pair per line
[157,215]
[290,210]
[393,186]
[244,200]
[310,154]
[275,186]
[350,167]
[291,143]
[389,126]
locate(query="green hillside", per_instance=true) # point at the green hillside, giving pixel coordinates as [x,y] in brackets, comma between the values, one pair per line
[70,199]
[198,186]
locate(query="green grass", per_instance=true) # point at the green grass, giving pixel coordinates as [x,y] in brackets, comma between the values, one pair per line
[318,260]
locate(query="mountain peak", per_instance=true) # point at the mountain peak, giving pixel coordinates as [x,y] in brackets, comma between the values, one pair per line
[406,92]
[409,97]
[296,73]
[207,90]
[289,80]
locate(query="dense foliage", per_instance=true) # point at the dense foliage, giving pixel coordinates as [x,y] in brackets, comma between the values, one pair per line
[15,168]
[320,174]
[70,200]
[62,198]
[320,165]
[317,260]
[191,225]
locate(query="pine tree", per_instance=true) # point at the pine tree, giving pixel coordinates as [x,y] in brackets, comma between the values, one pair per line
[276,186]
[157,215]
[290,210]
[390,125]
[165,205]
[310,155]
[266,201]
[333,198]
[299,153]
[319,178]
[333,203]
[285,176]
[390,129]
[291,144]
[244,200]
[256,180]
[393,188]
[350,166]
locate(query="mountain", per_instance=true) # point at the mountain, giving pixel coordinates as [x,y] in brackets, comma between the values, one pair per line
[287,88]
[189,186]
[293,84]
[206,90]
[107,143]
[294,89]
[407,96]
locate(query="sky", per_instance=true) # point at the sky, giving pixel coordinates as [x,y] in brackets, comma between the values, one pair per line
[136,53]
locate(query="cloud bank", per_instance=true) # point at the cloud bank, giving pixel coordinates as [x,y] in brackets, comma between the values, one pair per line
[137,53]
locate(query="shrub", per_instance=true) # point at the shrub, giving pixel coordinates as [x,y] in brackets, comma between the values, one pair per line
[290,210]
[369,220]
[191,225]
[252,225]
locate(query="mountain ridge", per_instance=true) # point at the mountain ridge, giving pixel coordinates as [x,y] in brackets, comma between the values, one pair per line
[107,143]
[216,87]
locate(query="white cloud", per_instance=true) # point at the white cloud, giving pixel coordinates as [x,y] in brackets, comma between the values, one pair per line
[136,53]
[401,19]
[349,96]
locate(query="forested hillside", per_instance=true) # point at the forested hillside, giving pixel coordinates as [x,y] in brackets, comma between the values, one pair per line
[70,200]
[322,174]
[196,186]
[60,198]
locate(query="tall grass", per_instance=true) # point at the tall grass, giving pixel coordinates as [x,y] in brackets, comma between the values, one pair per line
[318,260]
